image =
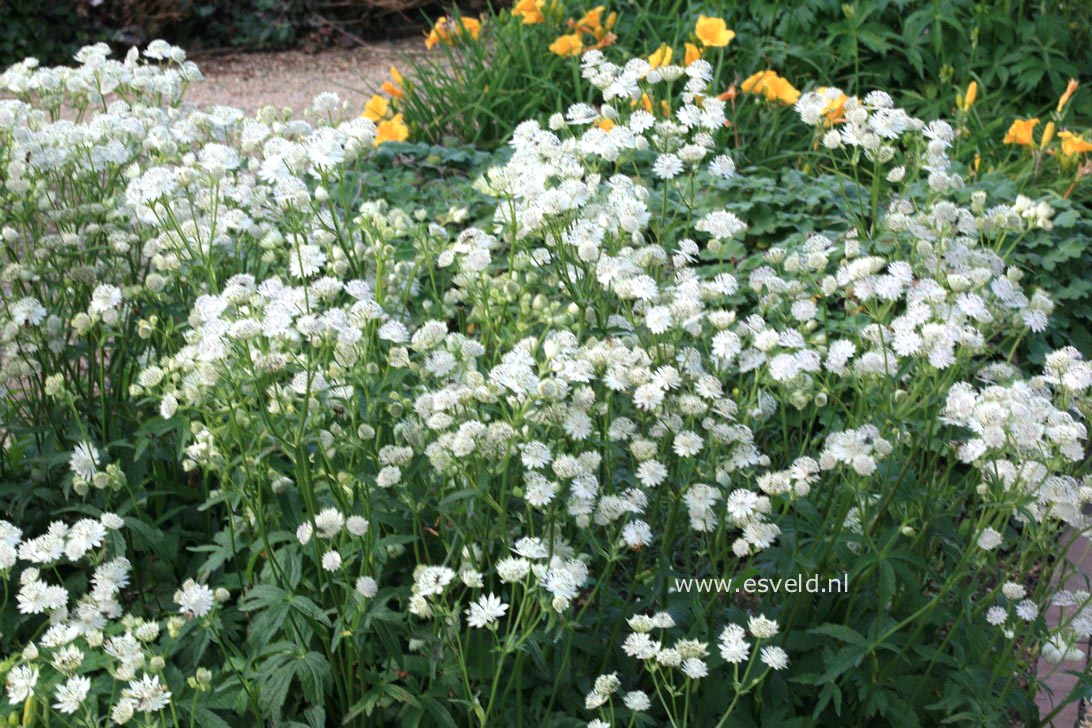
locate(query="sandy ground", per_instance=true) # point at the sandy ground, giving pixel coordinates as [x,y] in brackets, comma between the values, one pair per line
[292,78]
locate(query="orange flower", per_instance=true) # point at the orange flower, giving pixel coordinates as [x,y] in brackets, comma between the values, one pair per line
[376,108]
[1021,132]
[604,124]
[772,86]
[646,102]
[661,57]
[444,31]
[530,11]
[391,130]
[592,22]
[1048,134]
[713,32]
[967,101]
[568,45]
[1070,89]
[1073,144]
[665,109]
[835,108]
[693,53]
[395,88]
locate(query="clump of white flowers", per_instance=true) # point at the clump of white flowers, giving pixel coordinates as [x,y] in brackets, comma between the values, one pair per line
[455,456]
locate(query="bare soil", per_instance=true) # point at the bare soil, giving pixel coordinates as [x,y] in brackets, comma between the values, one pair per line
[292,78]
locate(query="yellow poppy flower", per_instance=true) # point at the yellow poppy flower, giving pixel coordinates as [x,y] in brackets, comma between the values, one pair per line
[376,108]
[661,57]
[713,32]
[530,11]
[391,130]
[1021,132]
[568,45]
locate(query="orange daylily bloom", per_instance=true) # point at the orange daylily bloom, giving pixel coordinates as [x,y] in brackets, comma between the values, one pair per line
[661,56]
[665,109]
[592,22]
[1021,132]
[1048,134]
[646,102]
[397,76]
[1070,89]
[445,31]
[1073,144]
[772,86]
[693,53]
[568,45]
[376,108]
[391,130]
[730,94]
[835,109]
[604,124]
[530,11]
[713,32]
[393,90]
[968,99]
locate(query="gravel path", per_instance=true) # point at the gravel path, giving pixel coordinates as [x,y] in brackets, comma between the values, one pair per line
[292,78]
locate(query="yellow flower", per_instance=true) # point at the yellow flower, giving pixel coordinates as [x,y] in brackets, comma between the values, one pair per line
[568,45]
[693,53]
[604,124]
[1070,89]
[394,88]
[646,102]
[1021,132]
[969,97]
[1048,134]
[391,130]
[1073,144]
[713,32]
[376,108]
[530,11]
[661,57]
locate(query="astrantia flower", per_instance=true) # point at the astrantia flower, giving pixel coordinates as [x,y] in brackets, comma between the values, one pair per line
[484,612]
[147,694]
[84,461]
[194,599]
[69,695]
[20,683]
[331,561]
[367,586]
[775,657]
[720,224]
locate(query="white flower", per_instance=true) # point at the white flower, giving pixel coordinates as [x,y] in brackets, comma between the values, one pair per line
[775,657]
[367,586]
[331,561]
[69,695]
[667,166]
[84,461]
[194,599]
[147,694]
[989,539]
[484,612]
[20,683]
